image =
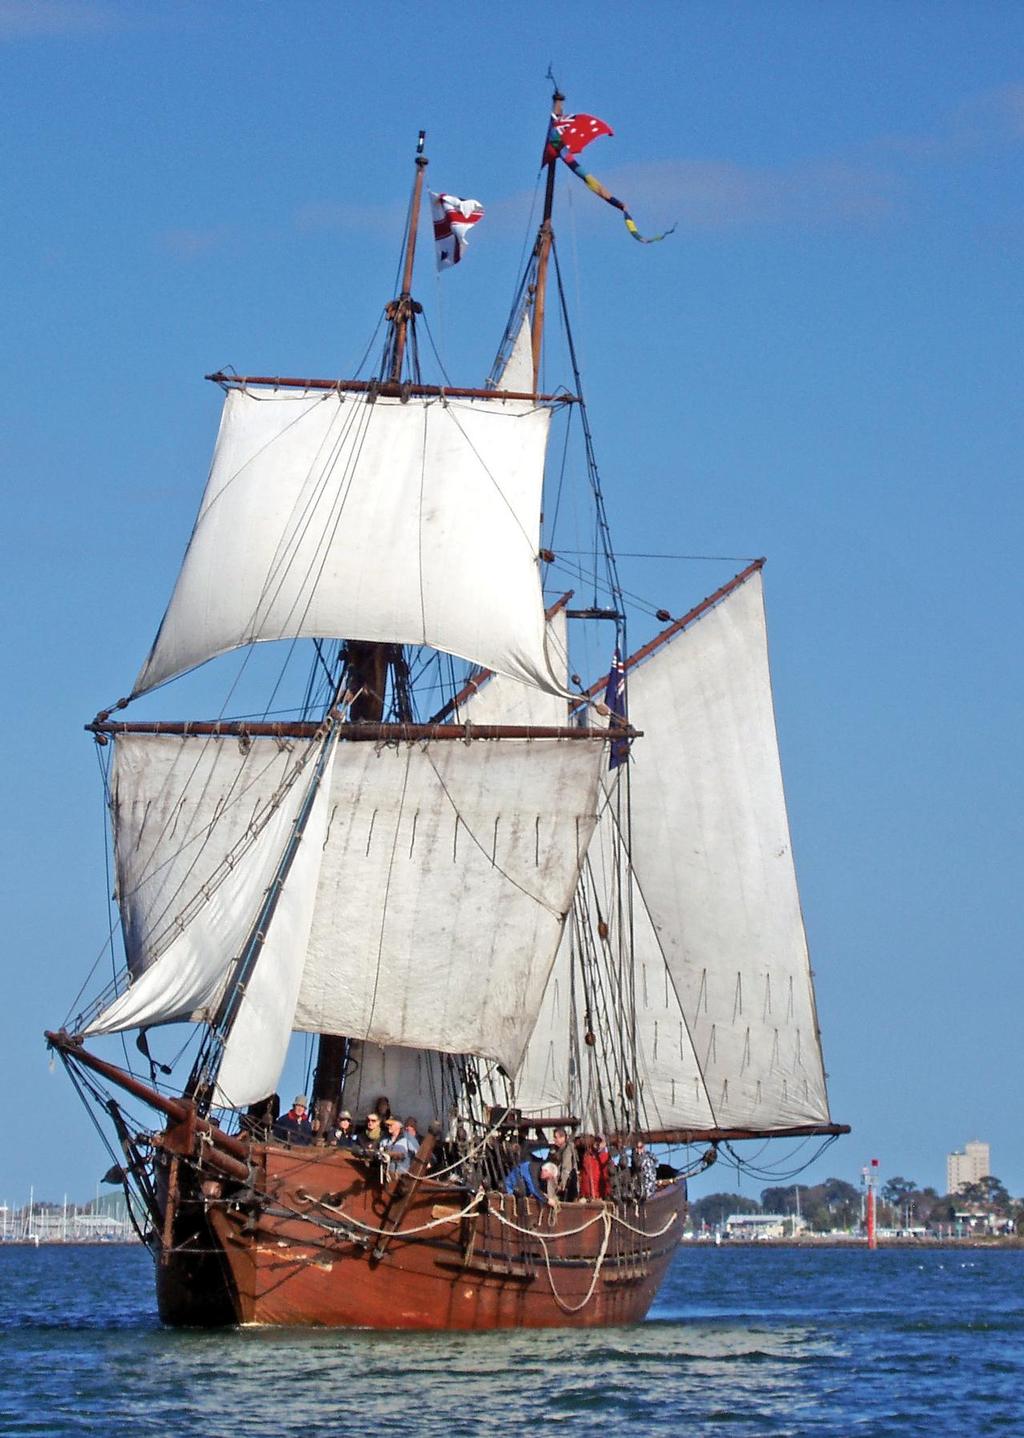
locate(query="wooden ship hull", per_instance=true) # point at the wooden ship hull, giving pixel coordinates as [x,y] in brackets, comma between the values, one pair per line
[314,1237]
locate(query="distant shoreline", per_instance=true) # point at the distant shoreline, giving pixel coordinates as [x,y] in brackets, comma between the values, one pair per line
[826,1241]
[733,1244]
[71,1243]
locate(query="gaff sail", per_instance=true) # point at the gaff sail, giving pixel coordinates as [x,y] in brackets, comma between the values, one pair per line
[712,855]
[720,993]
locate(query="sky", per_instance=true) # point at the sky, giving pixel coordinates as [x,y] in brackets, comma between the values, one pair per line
[821,365]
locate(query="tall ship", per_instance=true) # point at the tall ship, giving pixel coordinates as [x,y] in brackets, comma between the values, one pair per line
[547,915]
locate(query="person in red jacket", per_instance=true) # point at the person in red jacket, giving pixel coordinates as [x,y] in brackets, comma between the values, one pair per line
[594,1164]
[604,1161]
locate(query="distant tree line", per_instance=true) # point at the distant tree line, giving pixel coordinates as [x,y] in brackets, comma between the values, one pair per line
[836,1204]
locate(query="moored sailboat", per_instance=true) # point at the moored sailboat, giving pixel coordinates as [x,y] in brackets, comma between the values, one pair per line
[490,895]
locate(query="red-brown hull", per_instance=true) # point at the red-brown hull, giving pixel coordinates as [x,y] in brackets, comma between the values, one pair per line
[308,1251]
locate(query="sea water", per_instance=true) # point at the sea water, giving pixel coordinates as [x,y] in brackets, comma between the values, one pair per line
[748,1340]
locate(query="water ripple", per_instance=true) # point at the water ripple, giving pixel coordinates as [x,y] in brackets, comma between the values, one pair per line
[753,1343]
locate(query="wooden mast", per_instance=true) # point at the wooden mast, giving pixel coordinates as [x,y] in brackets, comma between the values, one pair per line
[368,663]
[543,252]
[400,312]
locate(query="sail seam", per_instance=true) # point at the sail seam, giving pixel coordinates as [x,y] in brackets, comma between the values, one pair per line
[387,891]
[675,989]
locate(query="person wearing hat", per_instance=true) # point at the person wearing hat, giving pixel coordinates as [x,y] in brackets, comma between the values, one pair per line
[396,1147]
[344,1134]
[412,1135]
[295,1125]
[373,1132]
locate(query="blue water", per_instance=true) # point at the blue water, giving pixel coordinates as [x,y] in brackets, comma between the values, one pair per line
[751,1341]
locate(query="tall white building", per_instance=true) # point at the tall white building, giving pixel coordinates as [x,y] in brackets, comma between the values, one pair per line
[968,1165]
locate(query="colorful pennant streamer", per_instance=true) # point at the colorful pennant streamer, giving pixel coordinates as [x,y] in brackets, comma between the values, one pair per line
[559,146]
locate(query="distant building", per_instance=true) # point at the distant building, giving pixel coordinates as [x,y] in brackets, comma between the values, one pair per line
[763,1225]
[971,1164]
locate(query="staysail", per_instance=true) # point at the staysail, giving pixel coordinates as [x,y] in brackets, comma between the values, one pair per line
[404,522]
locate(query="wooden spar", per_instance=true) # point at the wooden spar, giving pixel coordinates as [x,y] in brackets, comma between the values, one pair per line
[720,1135]
[677,624]
[481,676]
[386,389]
[365,732]
[179,1110]
[544,251]
[404,1191]
[400,311]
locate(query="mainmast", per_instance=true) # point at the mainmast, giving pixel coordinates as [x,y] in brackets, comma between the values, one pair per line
[543,250]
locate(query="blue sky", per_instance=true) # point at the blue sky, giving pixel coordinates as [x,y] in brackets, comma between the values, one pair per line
[821,365]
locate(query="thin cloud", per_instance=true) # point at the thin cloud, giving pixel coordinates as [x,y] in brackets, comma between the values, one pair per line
[720,195]
[50,19]
[192,243]
[866,186]
[984,122]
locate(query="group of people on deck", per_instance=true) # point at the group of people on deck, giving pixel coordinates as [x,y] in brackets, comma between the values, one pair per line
[381,1132]
[562,1171]
[579,1169]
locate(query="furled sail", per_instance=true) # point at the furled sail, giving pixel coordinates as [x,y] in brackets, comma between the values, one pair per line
[446,877]
[402,522]
[712,856]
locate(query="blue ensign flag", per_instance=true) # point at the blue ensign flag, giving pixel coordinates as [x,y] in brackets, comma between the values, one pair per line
[615,701]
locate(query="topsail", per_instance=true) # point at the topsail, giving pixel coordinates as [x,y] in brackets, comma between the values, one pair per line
[411,522]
